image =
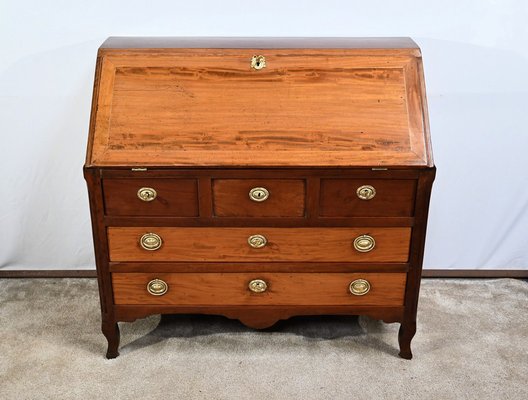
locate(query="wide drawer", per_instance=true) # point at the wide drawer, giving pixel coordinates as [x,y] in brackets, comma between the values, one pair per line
[367,197]
[151,197]
[259,197]
[371,289]
[276,244]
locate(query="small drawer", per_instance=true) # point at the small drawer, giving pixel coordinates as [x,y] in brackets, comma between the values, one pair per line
[259,197]
[193,289]
[366,244]
[367,198]
[151,197]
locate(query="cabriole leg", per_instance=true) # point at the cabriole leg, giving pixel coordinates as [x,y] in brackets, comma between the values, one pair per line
[111,332]
[405,335]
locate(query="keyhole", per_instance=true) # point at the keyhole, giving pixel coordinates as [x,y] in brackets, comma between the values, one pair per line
[258,194]
[258,62]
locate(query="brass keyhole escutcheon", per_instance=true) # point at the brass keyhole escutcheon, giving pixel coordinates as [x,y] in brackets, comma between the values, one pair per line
[146,194]
[258,286]
[157,287]
[258,194]
[257,241]
[150,241]
[366,192]
[258,62]
[364,243]
[359,287]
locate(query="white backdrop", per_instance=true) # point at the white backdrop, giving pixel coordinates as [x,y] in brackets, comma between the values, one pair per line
[476,64]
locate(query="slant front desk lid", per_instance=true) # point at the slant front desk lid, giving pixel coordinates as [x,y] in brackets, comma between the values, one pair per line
[244,102]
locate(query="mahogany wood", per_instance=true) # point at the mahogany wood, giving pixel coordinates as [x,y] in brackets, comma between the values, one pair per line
[192,119]
[283,289]
[359,108]
[408,326]
[109,325]
[303,266]
[284,244]
[259,317]
[393,198]
[206,200]
[231,198]
[313,221]
[258,173]
[175,197]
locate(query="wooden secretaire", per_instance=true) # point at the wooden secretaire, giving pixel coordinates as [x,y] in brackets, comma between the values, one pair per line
[259,179]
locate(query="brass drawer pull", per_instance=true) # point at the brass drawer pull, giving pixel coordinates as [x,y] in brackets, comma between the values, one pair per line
[257,241]
[359,287]
[146,194]
[364,243]
[258,194]
[157,287]
[258,62]
[366,192]
[258,286]
[150,241]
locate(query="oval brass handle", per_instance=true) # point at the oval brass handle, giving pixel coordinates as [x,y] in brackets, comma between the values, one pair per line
[366,192]
[364,243]
[146,194]
[258,286]
[150,241]
[359,287]
[257,241]
[258,62]
[157,287]
[258,194]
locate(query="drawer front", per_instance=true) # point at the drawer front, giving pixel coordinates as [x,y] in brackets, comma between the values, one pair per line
[367,197]
[282,244]
[259,197]
[151,197]
[384,289]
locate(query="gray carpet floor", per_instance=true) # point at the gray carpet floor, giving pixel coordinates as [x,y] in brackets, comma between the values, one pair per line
[472,343]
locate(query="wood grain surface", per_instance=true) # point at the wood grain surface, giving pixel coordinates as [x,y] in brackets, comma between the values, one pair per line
[283,289]
[325,116]
[175,197]
[284,244]
[257,266]
[394,198]
[286,198]
[306,108]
